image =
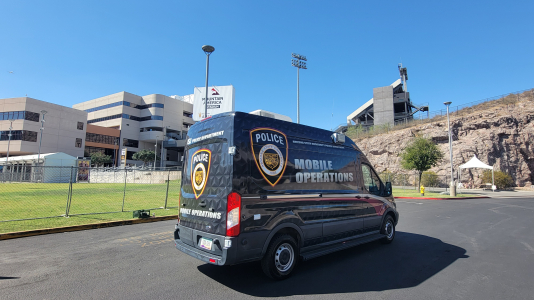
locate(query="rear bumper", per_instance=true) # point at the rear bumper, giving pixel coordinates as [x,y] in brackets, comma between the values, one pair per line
[227,256]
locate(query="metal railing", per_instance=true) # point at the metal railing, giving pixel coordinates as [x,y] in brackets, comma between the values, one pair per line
[357,131]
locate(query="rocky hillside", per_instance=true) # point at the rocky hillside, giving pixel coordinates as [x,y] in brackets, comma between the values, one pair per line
[502,136]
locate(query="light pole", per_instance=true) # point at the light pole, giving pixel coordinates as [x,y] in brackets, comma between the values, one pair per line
[298,61]
[452,187]
[115,158]
[9,138]
[8,142]
[208,50]
[162,150]
[43,113]
[155,153]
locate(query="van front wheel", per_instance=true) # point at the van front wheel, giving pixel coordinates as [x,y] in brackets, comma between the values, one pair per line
[388,229]
[281,257]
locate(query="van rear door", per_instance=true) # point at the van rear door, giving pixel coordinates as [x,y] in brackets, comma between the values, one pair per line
[206,179]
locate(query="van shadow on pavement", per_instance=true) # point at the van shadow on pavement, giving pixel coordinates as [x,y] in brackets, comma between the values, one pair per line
[407,262]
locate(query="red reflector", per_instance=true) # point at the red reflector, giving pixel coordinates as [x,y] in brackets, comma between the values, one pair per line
[212,260]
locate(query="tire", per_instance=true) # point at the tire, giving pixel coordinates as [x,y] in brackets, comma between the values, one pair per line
[281,257]
[388,229]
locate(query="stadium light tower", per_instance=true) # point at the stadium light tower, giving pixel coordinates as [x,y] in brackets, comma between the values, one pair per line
[453,187]
[298,61]
[208,50]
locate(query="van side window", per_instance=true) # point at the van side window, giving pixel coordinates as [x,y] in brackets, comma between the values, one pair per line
[371,181]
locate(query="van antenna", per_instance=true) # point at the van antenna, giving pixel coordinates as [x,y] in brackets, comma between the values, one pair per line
[332,120]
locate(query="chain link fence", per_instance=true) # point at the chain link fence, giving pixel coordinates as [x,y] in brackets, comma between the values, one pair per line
[36,197]
[432,182]
[410,181]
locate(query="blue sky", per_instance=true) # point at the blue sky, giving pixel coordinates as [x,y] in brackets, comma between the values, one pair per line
[67,52]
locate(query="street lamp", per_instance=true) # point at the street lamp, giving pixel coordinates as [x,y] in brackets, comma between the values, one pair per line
[453,187]
[155,152]
[43,113]
[115,158]
[298,61]
[208,50]
[8,142]
[162,150]
[9,138]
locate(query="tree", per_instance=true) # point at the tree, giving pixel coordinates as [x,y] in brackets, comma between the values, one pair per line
[421,155]
[430,179]
[99,158]
[144,155]
[502,180]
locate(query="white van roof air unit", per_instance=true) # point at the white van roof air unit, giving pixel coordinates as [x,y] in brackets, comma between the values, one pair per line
[272,115]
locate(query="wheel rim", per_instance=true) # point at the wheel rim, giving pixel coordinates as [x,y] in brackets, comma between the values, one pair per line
[390,230]
[284,257]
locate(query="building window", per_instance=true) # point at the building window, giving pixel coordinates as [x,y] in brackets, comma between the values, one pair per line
[125,103]
[130,143]
[19,135]
[80,126]
[105,118]
[19,115]
[160,105]
[29,136]
[125,116]
[31,116]
[78,143]
[187,125]
[188,114]
[101,138]
[129,155]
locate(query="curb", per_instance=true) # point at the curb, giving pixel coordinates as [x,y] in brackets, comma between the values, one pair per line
[427,198]
[19,234]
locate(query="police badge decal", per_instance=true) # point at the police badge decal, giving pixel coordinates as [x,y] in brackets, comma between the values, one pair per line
[200,170]
[269,147]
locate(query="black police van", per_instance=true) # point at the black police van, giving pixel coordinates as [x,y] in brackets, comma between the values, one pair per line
[257,188]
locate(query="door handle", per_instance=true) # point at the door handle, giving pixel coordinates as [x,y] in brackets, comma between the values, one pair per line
[202,204]
[358,197]
[366,197]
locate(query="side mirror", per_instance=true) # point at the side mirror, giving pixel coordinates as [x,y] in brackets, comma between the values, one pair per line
[389,189]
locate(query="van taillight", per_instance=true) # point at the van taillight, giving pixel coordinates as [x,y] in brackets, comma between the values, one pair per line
[234,213]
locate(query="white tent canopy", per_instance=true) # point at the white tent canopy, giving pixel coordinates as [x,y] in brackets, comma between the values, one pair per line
[476,163]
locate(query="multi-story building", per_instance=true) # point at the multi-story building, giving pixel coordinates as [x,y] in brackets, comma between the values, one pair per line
[104,140]
[64,127]
[390,105]
[144,122]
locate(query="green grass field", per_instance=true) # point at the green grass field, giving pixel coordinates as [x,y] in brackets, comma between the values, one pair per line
[39,200]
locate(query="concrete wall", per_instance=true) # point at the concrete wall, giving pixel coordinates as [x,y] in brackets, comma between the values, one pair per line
[383,105]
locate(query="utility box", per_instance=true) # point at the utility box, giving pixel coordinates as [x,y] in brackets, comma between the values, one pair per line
[141,214]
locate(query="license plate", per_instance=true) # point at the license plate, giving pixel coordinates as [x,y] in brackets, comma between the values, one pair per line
[206,243]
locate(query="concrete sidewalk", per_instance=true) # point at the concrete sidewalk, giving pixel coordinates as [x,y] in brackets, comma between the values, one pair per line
[523,193]
[498,193]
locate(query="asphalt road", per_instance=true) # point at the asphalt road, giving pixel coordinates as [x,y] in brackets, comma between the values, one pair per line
[462,249]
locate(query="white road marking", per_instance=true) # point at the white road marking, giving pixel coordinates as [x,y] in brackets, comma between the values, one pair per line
[528,247]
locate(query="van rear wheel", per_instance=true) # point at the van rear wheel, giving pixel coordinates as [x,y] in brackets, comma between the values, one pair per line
[281,257]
